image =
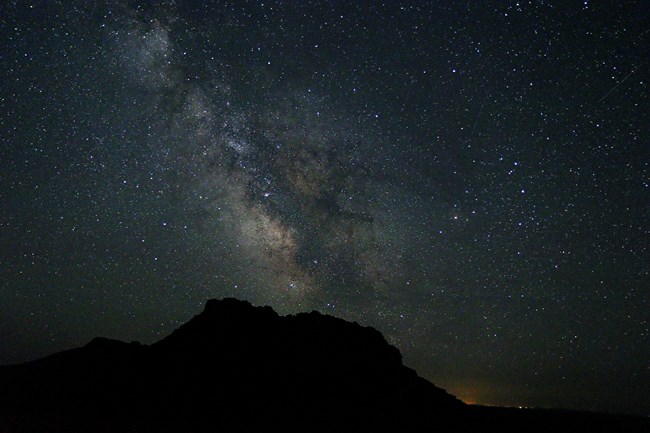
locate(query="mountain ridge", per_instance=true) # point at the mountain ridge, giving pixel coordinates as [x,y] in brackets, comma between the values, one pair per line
[236,367]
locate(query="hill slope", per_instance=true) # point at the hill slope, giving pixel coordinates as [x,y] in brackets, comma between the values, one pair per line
[236,367]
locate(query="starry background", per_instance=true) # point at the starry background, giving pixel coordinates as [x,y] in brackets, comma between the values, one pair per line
[470,178]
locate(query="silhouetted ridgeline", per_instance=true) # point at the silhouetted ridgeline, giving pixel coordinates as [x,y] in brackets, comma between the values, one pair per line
[236,367]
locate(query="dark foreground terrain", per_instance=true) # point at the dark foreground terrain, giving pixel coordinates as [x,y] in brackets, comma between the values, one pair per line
[239,368]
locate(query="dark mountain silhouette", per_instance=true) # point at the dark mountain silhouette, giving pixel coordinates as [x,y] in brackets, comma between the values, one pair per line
[239,368]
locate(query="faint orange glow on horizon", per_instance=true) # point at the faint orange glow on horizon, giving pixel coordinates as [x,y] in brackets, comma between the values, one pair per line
[467,394]
[486,393]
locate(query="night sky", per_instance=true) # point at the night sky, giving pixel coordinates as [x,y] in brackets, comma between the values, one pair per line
[471,178]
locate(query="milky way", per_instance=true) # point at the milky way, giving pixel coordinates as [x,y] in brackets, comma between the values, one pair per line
[285,178]
[470,179]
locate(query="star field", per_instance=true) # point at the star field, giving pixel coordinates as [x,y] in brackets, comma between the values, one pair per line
[469,178]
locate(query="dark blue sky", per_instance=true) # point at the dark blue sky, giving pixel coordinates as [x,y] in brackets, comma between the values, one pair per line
[470,178]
